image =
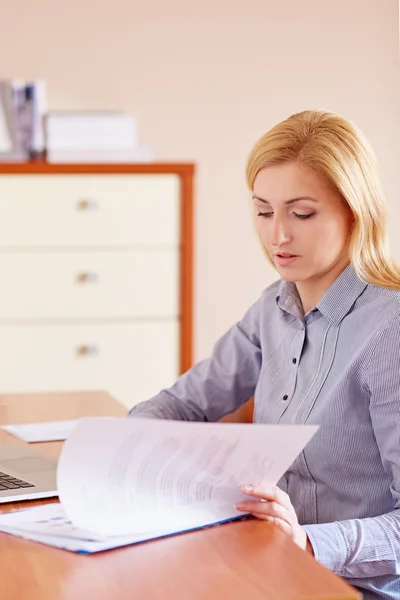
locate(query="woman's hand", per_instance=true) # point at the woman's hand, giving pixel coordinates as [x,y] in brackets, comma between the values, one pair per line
[272,504]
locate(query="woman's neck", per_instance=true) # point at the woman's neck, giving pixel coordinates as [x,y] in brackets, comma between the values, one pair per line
[313,289]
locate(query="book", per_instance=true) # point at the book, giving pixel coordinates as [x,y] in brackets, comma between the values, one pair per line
[94,137]
[122,481]
[29,101]
[36,93]
[12,144]
[141,154]
[91,130]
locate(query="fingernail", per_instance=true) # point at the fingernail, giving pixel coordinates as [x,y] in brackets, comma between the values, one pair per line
[240,506]
[247,488]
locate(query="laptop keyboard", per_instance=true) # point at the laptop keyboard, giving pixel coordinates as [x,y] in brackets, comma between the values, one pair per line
[8,482]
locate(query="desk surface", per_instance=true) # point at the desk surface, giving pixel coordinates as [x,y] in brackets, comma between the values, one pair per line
[248,559]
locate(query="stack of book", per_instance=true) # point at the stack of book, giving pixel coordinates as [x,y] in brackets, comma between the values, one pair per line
[28,130]
[94,136]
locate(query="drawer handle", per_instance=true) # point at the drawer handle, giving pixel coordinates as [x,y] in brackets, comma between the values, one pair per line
[88,204]
[88,350]
[87,277]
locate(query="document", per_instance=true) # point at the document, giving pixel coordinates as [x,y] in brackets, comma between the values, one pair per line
[50,431]
[122,481]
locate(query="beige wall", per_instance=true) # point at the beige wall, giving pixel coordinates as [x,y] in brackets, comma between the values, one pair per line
[205,86]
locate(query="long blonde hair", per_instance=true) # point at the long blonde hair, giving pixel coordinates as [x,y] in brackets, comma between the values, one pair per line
[338,151]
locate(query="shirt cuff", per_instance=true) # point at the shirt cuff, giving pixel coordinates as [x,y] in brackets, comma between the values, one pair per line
[329,545]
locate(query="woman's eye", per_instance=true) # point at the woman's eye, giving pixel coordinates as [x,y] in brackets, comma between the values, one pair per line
[304,217]
[268,215]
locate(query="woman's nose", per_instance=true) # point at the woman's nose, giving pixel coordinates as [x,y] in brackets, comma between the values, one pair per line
[280,232]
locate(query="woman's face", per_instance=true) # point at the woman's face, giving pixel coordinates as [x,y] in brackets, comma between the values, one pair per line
[302,221]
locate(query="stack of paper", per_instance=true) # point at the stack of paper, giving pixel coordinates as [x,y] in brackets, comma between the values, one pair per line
[94,136]
[122,481]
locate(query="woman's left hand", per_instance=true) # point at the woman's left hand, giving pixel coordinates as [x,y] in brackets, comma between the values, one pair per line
[272,504]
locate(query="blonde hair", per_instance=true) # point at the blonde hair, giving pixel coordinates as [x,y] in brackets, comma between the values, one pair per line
[338,151]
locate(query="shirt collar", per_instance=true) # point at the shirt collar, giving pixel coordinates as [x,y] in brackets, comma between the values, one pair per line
[288,299]
[334,305]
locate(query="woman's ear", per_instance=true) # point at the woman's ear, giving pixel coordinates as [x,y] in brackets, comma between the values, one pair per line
[352,221]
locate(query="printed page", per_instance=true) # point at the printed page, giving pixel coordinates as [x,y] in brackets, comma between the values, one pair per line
[48,431]
[118,476]
[49,525]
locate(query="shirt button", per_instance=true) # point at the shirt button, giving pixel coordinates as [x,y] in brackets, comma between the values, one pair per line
[285,397]
[294,360]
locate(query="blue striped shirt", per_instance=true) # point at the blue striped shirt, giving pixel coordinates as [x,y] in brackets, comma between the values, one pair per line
[339,367]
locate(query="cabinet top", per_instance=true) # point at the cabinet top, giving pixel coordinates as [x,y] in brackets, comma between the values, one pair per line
[43,167]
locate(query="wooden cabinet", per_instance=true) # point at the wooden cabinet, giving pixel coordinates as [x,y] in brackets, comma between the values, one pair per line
[96,277]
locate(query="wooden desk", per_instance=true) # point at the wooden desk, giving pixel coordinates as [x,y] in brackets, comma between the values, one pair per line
[249,560]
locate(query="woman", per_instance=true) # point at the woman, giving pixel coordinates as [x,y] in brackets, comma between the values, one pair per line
[320,346]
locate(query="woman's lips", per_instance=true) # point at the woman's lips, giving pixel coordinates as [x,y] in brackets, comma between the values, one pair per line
[285,259]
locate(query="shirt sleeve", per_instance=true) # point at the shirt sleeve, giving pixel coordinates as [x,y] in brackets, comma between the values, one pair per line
[370,547]
[217,385]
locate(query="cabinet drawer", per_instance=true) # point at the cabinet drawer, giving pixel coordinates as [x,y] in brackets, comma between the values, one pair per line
[89,210]
[60,285]
[132,361]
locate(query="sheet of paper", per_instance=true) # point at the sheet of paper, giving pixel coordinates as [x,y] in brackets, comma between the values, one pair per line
[42,432]
[48,524]
[118,476]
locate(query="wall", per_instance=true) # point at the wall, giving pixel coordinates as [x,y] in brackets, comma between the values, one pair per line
[205,83]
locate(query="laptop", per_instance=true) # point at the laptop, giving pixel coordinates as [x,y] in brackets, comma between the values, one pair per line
[25,474]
